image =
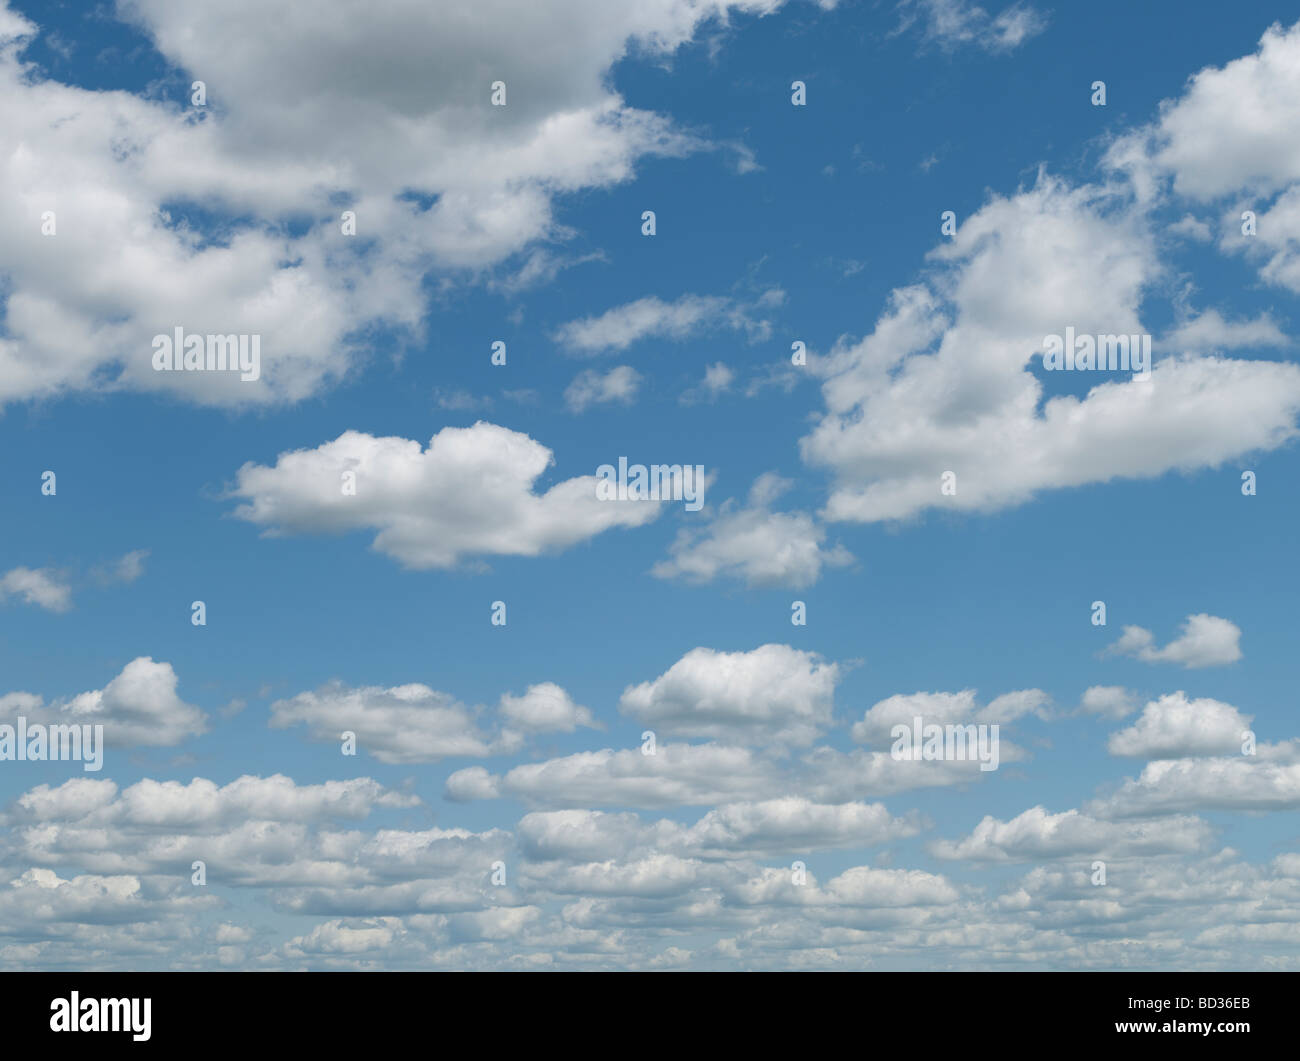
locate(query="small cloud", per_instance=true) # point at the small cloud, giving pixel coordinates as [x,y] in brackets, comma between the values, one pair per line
[953,24]
[1108,701]
[755,544]
[1205,641]
[1190,228]
[653,318]
[717,379]
[125,570]
[44,587]
[460,401]
[596,388]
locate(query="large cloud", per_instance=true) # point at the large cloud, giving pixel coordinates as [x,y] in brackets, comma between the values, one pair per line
[309,110]
[946,382]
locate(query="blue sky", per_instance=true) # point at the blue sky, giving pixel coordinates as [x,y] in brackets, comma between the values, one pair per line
[775,224]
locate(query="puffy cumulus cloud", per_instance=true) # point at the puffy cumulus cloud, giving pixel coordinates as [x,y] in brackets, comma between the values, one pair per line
[1275,247]
[264,833]
[500,923]
[1174,727]
[41,897]
[652,318]
[831,775]
[1038,835]
[860,886]
[312,112]
[792,824]
[582,835]
[1269,780]
[700,774]
[403,724]
[416,724]
[1205,641]
[202,804]
[545,708]
[773,693]
[1233,127]
[1227,140]
[744,830]
[83,306]
[592,387]
[473,782]
[347,937]
[946,708]
[598,890]
[469,493]
[139,708]
[43,587]
[755,544]
[652,876]
[946,382]
[675,775]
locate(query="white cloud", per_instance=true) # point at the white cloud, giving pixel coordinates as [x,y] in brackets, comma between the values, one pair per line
[129,567]
[1036,834]
[470,492]
[718,378]
[473,782]
[791,824]
[1205,641]
[1266,781]
[762,547]
[772,693]
[653,318]
[1209,333]
[951,24]
[312,109]
[404,724]
[945,382]
[744,830]
[592,387]
[1228,139]
[1109,701]
[1174,727]
[202,805]
[139,707]
[1234,126]
[545,708]
[676,775]
[944,709]
[43,587]
[40,897]
[1192,228]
